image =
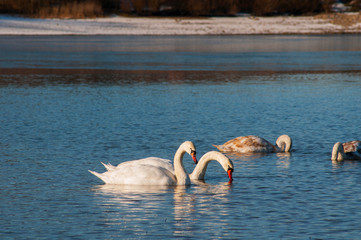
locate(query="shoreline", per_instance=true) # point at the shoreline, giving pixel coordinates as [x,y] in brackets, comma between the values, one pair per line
[14,75]
[56,71]
[347,23]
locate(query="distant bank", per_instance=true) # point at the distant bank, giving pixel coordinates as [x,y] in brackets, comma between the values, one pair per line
[341,23]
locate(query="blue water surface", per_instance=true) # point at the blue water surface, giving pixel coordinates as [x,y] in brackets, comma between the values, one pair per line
[55,125]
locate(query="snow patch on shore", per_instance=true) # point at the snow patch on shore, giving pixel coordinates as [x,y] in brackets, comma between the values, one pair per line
[10,25]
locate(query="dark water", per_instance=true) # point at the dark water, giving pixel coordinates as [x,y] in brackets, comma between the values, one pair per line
[237,53]
[68,103]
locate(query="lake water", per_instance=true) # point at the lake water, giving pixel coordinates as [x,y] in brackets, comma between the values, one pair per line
[68,103]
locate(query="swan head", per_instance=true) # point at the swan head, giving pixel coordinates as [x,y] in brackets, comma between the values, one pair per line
[189,148]
[337,152]
[284,143]
[226,163]
[230,172]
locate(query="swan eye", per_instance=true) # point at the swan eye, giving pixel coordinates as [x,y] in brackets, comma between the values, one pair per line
[193,151]
[229,168]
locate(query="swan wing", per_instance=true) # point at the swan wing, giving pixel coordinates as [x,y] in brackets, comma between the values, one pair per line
[353,146]
[353,149]
[153,161]
[108,166]
[245,144]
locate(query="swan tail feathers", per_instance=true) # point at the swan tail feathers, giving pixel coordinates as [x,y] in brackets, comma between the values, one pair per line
[219,147]
[108,166]
[103,178]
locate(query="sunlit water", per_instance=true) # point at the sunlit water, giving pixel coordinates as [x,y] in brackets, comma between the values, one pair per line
[57,125]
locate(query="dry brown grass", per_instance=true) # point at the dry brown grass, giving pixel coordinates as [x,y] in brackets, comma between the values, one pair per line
[88,9]
[343,19]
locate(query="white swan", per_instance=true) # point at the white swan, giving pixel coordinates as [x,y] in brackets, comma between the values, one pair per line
[346,151]
[154,172]
[198,172]
[201,168]
[255,144]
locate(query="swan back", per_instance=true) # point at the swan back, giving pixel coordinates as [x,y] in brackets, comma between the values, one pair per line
[200,170]
[284,143]
[154,161]
[246,144]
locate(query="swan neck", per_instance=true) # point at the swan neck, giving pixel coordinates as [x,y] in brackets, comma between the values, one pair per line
[338,152]
[284,143]
[201,168]
[180,173]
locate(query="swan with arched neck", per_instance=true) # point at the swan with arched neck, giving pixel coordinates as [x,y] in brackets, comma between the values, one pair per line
[346,151]
[154,172]
[201,168]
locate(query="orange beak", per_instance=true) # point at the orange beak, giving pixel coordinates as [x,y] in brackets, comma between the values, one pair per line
[230,170]
[193,154]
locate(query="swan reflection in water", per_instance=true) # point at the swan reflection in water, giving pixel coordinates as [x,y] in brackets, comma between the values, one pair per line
[132,196]
[348,164]
[283,160]
[192,208]
[176,208]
